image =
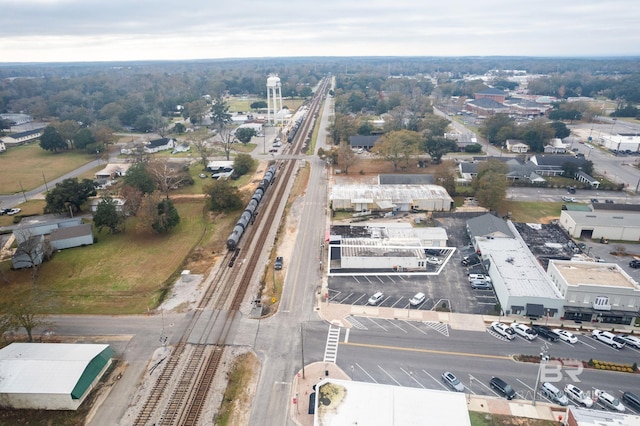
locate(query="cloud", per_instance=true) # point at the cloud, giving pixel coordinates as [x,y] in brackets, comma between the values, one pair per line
[43,30]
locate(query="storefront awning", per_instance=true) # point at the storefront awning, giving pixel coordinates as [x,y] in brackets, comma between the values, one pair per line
[535,310]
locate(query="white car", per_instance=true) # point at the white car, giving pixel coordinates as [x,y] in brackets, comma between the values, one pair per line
[609,401]
[503,329]
[376,298]
[575,393]
[14,211]
[524,331]
[566,336]
[479,277]
[418,299]
[608,338]
[434,260]
[630,340]
[452,381]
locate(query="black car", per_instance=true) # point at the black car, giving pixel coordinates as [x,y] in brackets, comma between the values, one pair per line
[546,332]
[635,263]
[471,260]
[632,400]
[502,387]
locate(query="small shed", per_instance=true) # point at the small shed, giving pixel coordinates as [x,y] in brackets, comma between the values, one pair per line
[50,376]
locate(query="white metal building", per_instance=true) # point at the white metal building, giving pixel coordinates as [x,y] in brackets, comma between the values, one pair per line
[595,291]
[521,284]
[376,404]
[50,376]
[390,197]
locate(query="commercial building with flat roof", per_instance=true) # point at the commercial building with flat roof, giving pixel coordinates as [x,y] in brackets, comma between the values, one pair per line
[358,403]
[521,284]
[595,291]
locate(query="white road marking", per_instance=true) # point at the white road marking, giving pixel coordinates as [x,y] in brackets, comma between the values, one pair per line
[390,376]
[331,347]
[419,329]
[436,380]
[346,335]
[410,374]
[365,372]
[394,323]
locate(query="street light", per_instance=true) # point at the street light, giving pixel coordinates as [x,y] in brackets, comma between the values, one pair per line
[543,360]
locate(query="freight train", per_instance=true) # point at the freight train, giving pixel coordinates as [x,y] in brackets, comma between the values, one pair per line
[249,213]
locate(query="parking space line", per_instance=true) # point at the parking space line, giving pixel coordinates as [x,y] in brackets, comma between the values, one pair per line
[397,301]
[390,278]
[348,296]
[367,278]
[390,376]
[365,372]
[379,279]
[419,329]
[376,323]
[410,374]
[358,299]
[435,380]
[346,335]
[393,323]
[586,344]
[356,279]
[524,384]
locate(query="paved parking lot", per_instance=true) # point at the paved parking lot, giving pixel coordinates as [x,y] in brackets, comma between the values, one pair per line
[450,289]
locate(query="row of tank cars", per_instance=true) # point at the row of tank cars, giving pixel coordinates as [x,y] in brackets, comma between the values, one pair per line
[249,214]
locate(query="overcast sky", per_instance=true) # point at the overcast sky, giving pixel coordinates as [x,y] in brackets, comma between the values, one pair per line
[105,30]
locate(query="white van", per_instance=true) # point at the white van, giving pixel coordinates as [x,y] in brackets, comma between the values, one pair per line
[554,394]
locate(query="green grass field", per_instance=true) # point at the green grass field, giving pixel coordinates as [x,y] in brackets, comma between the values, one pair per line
[25,165]
[120,274]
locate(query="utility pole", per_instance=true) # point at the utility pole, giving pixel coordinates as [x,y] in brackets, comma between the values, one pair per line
[45,181]
[22,190]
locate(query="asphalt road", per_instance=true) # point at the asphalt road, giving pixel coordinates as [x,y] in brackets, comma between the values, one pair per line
[415,354]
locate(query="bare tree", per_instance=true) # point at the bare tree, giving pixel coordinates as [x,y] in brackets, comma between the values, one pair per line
[346,157]
[167,176]
[204,150]
[148,211]
[226,139]
[28,313]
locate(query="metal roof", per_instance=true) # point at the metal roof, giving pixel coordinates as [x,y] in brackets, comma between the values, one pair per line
[393,193]
[45,368]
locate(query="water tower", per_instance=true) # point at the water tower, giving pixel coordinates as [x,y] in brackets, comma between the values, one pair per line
[274,99]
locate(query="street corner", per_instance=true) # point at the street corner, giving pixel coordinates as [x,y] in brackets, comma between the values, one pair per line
[303,389]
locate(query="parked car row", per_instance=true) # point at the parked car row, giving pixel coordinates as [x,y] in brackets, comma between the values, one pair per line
[555,394]
[530,333]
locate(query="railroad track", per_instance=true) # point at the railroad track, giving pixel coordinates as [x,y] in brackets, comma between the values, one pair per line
[190,390]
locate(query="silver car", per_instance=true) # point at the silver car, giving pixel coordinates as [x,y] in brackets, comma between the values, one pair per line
[376,298]
[452,381]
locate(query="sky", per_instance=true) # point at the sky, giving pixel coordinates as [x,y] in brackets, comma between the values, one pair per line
[121,30]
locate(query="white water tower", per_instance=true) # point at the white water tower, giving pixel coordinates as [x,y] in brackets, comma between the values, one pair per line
[274,99]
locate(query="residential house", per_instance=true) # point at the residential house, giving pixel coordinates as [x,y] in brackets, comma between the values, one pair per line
[515,145]
[112,171]
[158,145]
[119,203]
[42,225]
[363,142]
[555,146]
